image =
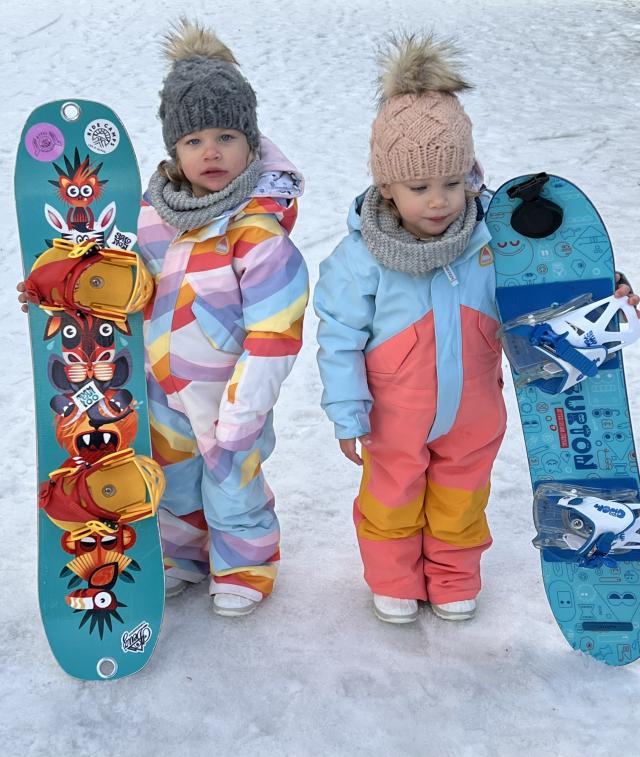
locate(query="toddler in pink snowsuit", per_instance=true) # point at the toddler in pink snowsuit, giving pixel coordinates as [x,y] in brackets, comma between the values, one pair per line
[408,354]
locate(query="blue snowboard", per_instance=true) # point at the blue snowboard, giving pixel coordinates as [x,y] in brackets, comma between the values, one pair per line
[100,580]
[581,436]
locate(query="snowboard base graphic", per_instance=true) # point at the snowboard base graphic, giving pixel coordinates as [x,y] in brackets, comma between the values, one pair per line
[100,572]
[550,247]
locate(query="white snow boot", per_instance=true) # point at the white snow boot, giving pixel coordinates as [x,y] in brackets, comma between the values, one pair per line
[461,610]
[395,610]
[232,605]
[173,586]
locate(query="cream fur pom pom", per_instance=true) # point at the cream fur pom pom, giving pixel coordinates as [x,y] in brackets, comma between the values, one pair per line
[191,40]
[413,64]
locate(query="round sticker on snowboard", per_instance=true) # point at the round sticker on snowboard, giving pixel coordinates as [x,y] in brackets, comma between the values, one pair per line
[44,142]
[101,136]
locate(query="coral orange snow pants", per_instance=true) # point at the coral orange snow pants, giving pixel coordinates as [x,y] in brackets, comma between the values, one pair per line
[420,512]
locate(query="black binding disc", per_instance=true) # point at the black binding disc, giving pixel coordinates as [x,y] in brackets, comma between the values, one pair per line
[535,217]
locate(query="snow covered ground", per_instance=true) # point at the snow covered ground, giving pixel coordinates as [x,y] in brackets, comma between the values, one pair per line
[312,672]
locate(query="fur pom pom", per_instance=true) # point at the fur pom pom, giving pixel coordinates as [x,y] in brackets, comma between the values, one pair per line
[190,40]
[412,65]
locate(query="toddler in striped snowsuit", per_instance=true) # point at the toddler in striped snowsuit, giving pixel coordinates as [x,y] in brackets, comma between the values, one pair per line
[225,325]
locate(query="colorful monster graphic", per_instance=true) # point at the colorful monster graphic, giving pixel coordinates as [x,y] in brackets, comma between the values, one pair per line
[90,366]
[89,362]
[98,602]
[79,187]
[92,553]
[88,345]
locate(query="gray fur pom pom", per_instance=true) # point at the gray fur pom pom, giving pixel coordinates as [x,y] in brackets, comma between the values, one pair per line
[414,64]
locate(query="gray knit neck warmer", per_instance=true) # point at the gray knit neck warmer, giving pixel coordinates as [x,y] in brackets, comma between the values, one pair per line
[396,248]
[176,204]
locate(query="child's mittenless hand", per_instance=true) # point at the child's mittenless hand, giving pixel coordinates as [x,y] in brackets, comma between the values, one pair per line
[348,447]
[623,289]
[23,297]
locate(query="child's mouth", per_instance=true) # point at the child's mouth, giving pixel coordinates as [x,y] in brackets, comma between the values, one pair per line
[214,172]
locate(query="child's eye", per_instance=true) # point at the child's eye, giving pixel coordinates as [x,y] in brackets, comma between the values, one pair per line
[226,137]
[453,184]
[193,141]
[418,189]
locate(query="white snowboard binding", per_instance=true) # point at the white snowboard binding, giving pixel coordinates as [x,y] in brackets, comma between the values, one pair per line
[560,346]
[579,525]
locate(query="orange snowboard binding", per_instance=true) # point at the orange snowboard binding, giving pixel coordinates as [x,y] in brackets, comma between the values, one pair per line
[119,488]
[106,283]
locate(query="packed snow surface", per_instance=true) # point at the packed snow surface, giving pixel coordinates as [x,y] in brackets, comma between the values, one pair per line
[312,672]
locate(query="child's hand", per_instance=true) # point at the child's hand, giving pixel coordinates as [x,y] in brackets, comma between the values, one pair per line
[348,447]
[624,290]
[22,297]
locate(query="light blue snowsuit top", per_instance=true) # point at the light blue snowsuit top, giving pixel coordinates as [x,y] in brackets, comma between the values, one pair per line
[361,304]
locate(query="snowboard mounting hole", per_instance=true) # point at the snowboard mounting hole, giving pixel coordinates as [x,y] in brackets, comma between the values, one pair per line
[70,111]
[107,667]
[577,524]
[97,282]
[109,490]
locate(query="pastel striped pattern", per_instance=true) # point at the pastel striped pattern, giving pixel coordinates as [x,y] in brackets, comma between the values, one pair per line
[222,335]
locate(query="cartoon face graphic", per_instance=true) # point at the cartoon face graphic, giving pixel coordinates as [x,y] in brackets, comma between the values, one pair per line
[78,183]
[551,463]
[562,601]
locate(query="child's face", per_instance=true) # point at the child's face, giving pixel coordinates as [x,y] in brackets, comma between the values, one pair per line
[212,158]
[427,207]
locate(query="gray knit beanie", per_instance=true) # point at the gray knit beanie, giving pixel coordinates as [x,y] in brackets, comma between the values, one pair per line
[204,88]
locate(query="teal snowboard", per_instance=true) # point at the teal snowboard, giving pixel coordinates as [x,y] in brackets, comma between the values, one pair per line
[550,247]
[100,571]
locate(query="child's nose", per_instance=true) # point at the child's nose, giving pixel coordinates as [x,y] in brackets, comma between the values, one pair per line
[212,151]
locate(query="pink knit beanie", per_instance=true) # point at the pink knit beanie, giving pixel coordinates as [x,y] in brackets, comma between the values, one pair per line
[421,129]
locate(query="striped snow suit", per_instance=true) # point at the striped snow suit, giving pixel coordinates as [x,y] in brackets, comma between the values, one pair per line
[222,334]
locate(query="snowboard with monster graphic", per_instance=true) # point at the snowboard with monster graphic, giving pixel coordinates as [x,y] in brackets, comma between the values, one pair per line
[562,332]
[100,573]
